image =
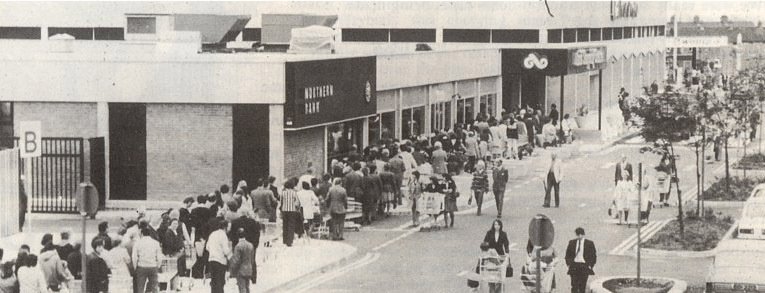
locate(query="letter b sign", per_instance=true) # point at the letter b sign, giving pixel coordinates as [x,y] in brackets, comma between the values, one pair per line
[31,138]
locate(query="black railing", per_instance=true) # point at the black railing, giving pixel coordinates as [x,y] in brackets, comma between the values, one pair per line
[54,175]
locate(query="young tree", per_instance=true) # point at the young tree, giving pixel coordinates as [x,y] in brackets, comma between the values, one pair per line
[668,118]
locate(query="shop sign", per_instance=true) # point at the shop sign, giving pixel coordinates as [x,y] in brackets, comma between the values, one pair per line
[623,9]
[698,42]
[328,91]
[535,60]
[544,61]
[586,59]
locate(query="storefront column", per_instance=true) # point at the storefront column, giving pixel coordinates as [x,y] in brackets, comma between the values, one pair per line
[364,135]
[562,86]
[498,99]
[102,130]
[600,98]
[276,141]
[400,93]
[427,129]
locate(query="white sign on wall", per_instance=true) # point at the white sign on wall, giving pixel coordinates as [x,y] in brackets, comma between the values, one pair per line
[697,42]
[30,141]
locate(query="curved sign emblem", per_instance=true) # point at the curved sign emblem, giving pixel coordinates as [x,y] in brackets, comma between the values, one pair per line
[535,60]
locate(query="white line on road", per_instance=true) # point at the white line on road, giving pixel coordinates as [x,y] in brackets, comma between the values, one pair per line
[389,242]
[367,259]
[646,231]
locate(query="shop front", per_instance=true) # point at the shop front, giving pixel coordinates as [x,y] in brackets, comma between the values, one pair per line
[327,103]
[571,78]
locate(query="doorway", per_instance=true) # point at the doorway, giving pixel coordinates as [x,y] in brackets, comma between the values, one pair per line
[251,143]
[127,151]
[533,91]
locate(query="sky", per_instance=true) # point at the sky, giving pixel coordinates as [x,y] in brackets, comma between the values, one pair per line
[712,10]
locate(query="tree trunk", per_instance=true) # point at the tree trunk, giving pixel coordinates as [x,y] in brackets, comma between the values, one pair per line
[727,165]
[703,168]
[679,192]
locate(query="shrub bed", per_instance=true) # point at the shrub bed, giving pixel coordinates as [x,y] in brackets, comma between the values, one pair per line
[625,285]
[740,188]
[701,233]
[752,161]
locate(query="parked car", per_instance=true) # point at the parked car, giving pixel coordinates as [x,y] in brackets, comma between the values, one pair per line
[758,191]
[736,267]
[751,225]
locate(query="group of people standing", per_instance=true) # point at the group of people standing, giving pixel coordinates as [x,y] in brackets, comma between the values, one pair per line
[637,198]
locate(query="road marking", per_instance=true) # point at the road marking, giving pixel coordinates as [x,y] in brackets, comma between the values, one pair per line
[367,259]
[389,242]
[646,232]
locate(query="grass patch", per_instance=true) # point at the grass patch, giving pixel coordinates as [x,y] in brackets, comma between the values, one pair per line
[701,233]
[751,161]
[740,188]
[630,285]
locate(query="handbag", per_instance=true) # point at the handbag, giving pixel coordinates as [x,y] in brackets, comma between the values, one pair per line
[509,270]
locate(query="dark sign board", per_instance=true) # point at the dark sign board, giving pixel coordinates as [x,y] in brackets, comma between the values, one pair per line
[524,61]
[553,62]
[326,91]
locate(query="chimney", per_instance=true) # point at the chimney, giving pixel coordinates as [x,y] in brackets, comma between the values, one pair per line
[724,19]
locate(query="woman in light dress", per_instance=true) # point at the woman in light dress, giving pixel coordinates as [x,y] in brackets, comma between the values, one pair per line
[625,195]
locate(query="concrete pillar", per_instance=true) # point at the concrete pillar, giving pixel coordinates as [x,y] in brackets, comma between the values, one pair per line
[102,130]
[276,141]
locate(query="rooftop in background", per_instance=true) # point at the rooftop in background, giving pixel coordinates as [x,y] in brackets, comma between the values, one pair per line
[750,32]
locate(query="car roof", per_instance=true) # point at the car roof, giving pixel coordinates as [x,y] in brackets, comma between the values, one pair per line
[749,246]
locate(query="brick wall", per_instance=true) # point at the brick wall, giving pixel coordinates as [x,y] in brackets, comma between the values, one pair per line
[58,119]
[188,149]
[301,147]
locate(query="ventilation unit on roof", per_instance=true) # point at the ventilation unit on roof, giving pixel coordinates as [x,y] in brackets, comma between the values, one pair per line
[277,29]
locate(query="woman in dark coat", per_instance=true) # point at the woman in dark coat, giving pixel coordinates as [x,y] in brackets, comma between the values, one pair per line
[497,238]
[450,200]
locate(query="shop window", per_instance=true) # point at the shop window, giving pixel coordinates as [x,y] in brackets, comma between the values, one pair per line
[413,35]
[466,36]
[515,36]
[583,35]
[365,35]
[618,32]
[554,36]
[569,35]
[661,30]
[412,122]
[342,137]
[382,128]
[487,105]
[109,33]
[6,125]
[608,34]
[440,116]
[628,32]
[79,33]
[142,25]
[465,111]
[20,33]
[251,35]
[595,34]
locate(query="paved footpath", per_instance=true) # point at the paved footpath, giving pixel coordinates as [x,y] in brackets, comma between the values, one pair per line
[392,257]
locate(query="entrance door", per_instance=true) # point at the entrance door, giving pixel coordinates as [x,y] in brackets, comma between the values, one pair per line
[250,149]
[127,151]
[533,91]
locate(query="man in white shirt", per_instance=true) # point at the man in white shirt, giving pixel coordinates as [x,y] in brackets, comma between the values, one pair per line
[580,258]
[219,250]
[147,257]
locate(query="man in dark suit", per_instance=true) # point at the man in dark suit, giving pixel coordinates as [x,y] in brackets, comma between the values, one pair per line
[623,171]
[580,259]
[353,182]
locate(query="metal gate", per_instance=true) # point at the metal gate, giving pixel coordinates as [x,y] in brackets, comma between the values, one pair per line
[55,175]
